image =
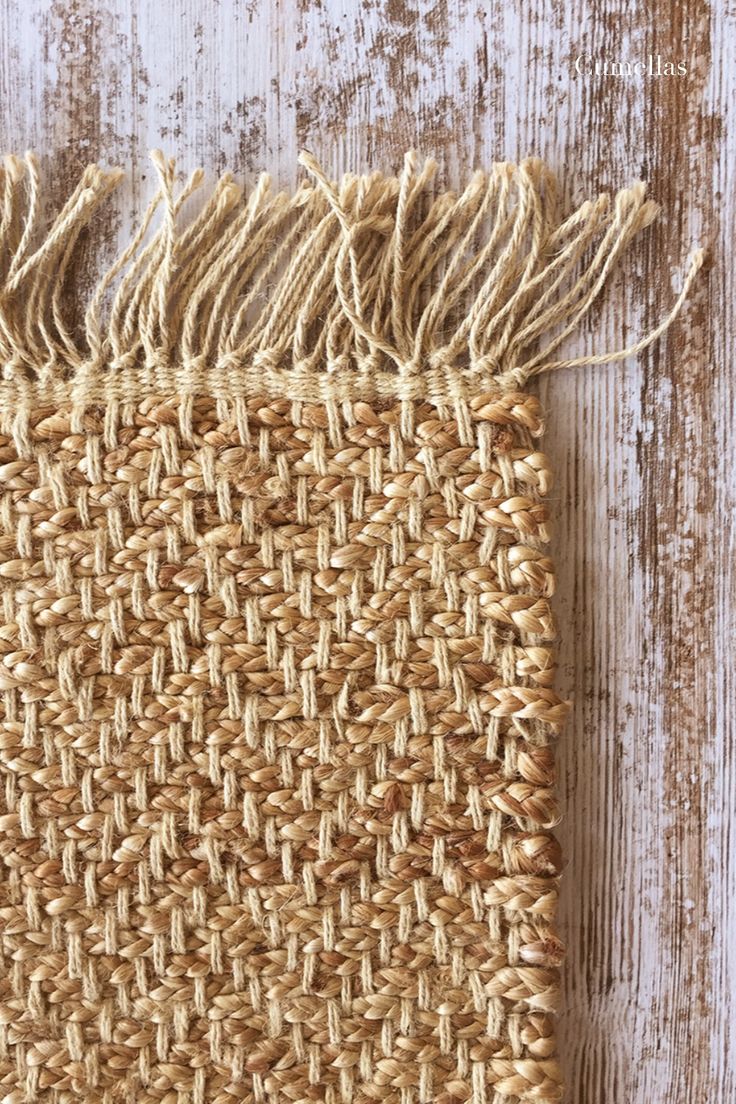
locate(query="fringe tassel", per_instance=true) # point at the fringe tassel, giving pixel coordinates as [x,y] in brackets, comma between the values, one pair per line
[366,275]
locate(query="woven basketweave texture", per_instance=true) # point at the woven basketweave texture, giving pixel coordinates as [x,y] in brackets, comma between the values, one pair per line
[276,743]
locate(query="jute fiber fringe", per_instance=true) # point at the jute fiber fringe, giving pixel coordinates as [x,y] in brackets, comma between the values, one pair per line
[278,714]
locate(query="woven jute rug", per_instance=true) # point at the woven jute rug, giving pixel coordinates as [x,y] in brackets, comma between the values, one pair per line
[278,713]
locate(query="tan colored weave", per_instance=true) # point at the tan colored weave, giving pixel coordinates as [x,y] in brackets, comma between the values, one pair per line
[276,647]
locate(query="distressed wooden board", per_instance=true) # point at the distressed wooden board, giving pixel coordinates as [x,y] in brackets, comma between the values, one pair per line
[644,450]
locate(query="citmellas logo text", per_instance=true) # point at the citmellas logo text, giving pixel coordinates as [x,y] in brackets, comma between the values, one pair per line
[654,66]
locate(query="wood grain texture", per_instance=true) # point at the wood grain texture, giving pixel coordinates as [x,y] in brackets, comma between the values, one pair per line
[644,451]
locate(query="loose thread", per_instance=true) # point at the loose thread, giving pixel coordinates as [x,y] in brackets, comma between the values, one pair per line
[520,375]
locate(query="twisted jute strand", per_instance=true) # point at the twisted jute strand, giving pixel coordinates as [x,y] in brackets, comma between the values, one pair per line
[276,648]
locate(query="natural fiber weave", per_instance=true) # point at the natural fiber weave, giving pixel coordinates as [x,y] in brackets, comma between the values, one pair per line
[277,665]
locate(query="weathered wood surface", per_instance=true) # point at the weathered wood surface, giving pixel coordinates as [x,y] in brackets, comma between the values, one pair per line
[644,451]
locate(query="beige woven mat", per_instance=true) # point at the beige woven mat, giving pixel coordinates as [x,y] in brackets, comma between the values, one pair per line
[277,663]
